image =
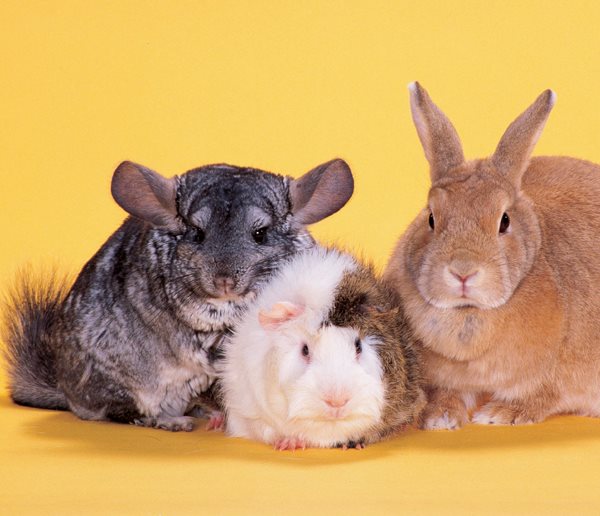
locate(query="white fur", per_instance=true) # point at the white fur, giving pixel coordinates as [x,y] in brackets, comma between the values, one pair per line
[443,422]
[308,280]
[272,392]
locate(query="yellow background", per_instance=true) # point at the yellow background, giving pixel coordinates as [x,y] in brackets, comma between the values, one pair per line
[283,86]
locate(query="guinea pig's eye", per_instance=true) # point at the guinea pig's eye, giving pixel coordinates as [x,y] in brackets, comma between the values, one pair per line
[259,235]
[431,221]
[305,351]
[504,222]
[358,346]
[199,236]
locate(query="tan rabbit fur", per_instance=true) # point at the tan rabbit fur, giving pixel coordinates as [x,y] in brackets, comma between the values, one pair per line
[500,275]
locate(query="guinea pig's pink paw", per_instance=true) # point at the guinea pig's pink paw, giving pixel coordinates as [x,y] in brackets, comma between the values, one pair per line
[511,413]
[352,445]
[289,443]
[216,421]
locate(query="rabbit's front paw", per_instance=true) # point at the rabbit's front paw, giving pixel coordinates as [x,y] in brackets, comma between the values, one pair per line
[507,413]
[444,420]
[445,411]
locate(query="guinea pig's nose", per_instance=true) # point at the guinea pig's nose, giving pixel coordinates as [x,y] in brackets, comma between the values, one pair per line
[224,284]
[336,400]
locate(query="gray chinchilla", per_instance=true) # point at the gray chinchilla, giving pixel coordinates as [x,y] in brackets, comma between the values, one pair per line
[137,337]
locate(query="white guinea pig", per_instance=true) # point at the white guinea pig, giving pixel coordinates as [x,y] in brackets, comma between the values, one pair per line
[322,359]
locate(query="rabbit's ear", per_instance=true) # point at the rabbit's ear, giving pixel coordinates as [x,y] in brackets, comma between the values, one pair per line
[440,141]
[516,145]
[146,195]
[321,192]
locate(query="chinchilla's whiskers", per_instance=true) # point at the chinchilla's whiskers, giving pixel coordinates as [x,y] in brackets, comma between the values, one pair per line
[180,280]
[182,294]
[191,274]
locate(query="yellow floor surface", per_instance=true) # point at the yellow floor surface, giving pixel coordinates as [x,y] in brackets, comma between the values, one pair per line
[52,463]
[281,85]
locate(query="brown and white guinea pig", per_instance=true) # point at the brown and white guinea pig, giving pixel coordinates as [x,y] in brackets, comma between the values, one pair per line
[500,274]
[323,358]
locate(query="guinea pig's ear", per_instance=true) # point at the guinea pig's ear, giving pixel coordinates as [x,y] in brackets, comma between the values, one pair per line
[279,314]
[147,195]
[321,192]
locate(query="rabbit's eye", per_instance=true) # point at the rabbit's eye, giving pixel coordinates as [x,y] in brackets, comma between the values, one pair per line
[259,235]
[431,221]
[199,236]
[305,351]
[504,222]
[358,346]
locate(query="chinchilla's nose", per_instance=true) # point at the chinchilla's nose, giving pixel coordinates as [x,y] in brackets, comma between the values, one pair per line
[224,284]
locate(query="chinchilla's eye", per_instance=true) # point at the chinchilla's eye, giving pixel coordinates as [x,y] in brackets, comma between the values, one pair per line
[358,346]
[431,221]
[305,351]
[199,236]
[504,222]
[260,235]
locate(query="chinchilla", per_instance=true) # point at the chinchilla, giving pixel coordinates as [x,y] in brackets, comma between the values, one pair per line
[137,337]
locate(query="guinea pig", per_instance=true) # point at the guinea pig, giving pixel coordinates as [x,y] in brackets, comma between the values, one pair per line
[323,358]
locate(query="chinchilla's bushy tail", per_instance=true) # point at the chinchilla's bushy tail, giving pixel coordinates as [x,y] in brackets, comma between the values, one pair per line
[30,309]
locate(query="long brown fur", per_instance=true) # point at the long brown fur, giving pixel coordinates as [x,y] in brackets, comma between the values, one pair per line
[364,301]
[526,335]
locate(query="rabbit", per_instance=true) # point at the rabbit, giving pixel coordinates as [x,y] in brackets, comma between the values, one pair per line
[499,275]
[322,358]
[137,337]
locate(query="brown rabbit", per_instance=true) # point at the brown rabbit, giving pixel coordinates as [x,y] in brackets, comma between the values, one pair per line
[500,274]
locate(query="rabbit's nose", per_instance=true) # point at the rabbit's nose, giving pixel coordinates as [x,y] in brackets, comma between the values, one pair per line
[463,278]
[224,284]
[466,275]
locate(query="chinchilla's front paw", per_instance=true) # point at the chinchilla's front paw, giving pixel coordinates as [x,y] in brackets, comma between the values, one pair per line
[171,423]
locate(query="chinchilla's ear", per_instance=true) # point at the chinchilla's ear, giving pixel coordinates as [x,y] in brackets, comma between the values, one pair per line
[147,195]
[321,192]
[440,141]
[516,145]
